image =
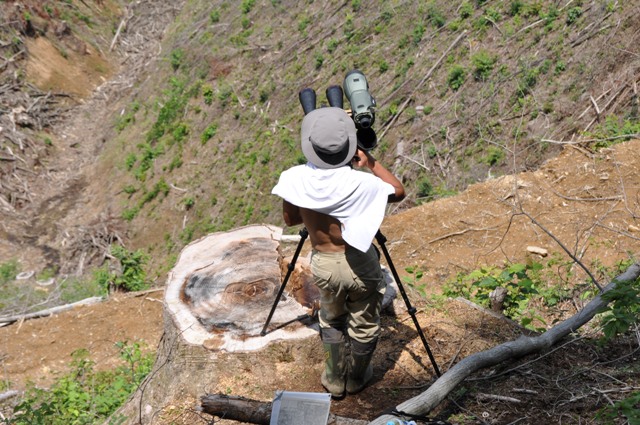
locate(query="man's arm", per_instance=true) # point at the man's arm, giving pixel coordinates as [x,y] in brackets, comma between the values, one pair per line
[378,170]
[291,214]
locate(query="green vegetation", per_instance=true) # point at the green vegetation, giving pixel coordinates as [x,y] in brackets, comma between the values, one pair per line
[534,289]
[414,280]
[623,311]
[425,188]
[457,76]
[435,16]
[84,395]
[132,276]
[176,58]
[494,156]
[128,117]
[525,285]
[483,63]
[615,130]
[214,16]
[247,5]
[8,271]
[626,408]
[208,133]
[573,14]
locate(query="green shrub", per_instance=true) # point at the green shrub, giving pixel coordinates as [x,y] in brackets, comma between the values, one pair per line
[214,16]
[483,63]
[425,188]
[130,213]
[188,202]
[615,130]
[456,77]
[9,271]
[129,189]
[466,10]
[349,27]
[623,311]
[436,17]
[573,14]
[172,108]
[128,117]
[495,155]
[247,5]
[208,133]
[516,7]
[303,23]
[176,58]
[626,408]
[161,187]
[130,161]
[180,132]
[132,276]
[84,396]
[418,33]
[522,282]
[207,93]
[414,280]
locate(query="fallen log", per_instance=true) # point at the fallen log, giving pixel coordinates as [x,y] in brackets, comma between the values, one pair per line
[423,403]
[253,411]
[48,312]
[8,394]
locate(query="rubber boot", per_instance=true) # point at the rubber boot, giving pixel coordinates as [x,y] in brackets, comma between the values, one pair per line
[360,370]
[333,378]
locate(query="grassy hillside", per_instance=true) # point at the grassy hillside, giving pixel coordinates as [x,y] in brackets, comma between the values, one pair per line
[465,91]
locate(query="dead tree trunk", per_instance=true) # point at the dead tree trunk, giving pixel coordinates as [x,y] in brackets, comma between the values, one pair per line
[428,400]
[252,411]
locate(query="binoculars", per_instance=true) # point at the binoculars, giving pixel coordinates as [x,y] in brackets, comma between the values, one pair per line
[356,89]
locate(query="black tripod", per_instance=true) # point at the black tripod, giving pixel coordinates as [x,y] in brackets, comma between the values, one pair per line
[381,241]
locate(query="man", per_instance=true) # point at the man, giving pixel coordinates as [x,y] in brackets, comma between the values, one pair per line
[342,209]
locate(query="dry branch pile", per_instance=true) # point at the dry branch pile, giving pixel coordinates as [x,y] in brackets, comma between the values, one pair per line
[48,134]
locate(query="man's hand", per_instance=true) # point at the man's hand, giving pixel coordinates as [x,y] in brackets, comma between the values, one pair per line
[365,159]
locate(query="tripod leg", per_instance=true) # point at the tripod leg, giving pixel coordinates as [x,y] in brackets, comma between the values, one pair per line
[303,236]
[412,311]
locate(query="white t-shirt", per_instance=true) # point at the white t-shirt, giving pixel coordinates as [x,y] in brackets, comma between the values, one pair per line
[355,198]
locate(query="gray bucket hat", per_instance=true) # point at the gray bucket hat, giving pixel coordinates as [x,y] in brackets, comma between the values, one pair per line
[328,137]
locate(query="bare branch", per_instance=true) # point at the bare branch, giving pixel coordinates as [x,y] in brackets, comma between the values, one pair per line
[428,400]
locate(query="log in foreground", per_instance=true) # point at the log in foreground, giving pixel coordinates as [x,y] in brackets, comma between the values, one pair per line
[253,411]
[423,403]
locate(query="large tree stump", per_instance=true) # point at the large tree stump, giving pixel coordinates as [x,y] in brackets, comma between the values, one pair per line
[223,286]
[217,300]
